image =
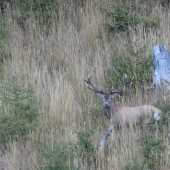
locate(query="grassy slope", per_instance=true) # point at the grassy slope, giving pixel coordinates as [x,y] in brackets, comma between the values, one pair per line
[55,66]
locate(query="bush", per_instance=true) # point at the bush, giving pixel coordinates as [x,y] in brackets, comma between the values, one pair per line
[153,148]
[137,65]
[125,15]
[84,147]
[59,157]
[152,142]
[19,111]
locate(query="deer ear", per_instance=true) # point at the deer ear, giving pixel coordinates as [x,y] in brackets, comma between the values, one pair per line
[100,95]
[114,95]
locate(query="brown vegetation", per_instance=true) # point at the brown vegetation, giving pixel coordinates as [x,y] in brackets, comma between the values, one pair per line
[55,65]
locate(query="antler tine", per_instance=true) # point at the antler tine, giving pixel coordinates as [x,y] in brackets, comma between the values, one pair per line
[127,83]
[95,89]
[88,81]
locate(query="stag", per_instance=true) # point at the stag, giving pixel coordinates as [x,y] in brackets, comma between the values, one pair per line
[121,115]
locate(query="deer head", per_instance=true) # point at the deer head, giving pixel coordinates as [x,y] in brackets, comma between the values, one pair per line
[108,106]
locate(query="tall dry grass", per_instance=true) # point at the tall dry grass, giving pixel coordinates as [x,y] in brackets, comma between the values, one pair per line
[55,65]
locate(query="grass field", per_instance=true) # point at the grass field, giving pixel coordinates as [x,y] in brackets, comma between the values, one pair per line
[54,60]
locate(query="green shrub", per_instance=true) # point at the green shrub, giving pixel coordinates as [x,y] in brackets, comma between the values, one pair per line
[127,14]
[123,16]
[84,143]
[137,65]
[153,148]
[152,142]
[19,110]
[84,147]
[59,157]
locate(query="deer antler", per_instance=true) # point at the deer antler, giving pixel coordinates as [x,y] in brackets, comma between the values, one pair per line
[127,83]
[95,89]
[100,93]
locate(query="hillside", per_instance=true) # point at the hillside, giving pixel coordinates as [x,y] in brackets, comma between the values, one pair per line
[56,122]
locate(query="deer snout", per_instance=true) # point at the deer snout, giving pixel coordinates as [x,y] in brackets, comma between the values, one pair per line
[106,104]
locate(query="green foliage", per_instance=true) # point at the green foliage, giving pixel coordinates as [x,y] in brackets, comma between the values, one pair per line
[153,148]
[84,146]
[125,15]
[137,65]
[41,9]
[18,110]
[59,157]
[153,144]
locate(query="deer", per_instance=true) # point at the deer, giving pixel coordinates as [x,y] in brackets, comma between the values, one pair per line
[122,115]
